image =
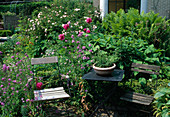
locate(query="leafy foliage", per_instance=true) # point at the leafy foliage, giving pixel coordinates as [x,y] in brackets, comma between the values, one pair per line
[162,102]
[150,27]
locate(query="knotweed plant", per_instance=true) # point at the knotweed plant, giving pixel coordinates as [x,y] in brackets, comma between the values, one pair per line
[16,96]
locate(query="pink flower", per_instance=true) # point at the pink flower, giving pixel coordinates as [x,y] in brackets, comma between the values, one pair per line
[84,57]
[17,43]
[14,81]
[68,22]
[88,20]
[9,79]
[86,35]
[31,72]
[80,34]
[90,51]
[4,68]
[27,100]
[66,26]
[1,52]
[84,30]
[2,103]
[8,68]
[3,79]
[72,36]
[88,31]
[1,85]
[89,45]
[61,37]
[84,47]
[73,41]
[38,85]
[12,57]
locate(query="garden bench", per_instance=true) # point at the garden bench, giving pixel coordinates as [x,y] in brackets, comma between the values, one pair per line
[51,93]
[138,97]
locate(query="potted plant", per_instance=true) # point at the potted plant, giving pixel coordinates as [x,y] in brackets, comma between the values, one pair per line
[105,63]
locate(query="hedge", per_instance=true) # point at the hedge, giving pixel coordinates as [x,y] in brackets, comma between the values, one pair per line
[26,8]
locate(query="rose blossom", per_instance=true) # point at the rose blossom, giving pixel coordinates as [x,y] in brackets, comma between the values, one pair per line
[88,31]
[88,20]
[66,26]
[61,37]
[38,85]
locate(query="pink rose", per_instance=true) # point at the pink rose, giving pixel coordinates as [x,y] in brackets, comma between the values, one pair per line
[61,37]
[84,29]
[38,85]
[88,20]
[88,31]
[66,26]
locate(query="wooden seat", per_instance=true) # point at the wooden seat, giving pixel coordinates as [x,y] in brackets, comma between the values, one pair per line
[48,94]
[51,93]
[138,97]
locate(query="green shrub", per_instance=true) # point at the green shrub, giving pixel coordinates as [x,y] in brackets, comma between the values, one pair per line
[24,8]
[5,33]
[150,27]
[162,103]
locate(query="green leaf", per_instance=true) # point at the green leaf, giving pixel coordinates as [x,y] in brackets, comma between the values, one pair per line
[159,94]
[168,103]
[142,81]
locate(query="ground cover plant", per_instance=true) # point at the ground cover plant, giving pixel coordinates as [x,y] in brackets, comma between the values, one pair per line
[72,30]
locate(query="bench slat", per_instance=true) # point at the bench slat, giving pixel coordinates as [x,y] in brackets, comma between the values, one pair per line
[144,66]
[50,94]
[144,71]
[137,98]
[45,60]
[135,101]
[50,89]
[51,97]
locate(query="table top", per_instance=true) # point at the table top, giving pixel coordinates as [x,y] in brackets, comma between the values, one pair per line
[117,75]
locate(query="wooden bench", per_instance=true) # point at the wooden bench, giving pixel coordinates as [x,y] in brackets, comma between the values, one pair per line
[51,93]
[138,97]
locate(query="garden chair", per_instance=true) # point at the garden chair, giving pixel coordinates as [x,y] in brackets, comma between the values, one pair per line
[138,97]
[51,93]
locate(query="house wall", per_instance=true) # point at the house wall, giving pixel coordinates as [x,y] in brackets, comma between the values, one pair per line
[96,3]
[160,6]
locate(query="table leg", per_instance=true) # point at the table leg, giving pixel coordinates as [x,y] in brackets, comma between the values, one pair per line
[104,100]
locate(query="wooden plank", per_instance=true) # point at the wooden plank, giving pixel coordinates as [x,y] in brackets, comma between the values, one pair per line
[50,89]
[139,94]
[135,101]
[50,94]
[51,97]
[144,71]
[139,98]
[134,96]
[45,60]
[144,66]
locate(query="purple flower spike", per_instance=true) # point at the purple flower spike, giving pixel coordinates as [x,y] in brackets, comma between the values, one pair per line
[9,79]
[3,104]
[4,68]
[3,79]
[84,47]
[90,50]
[18,43]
